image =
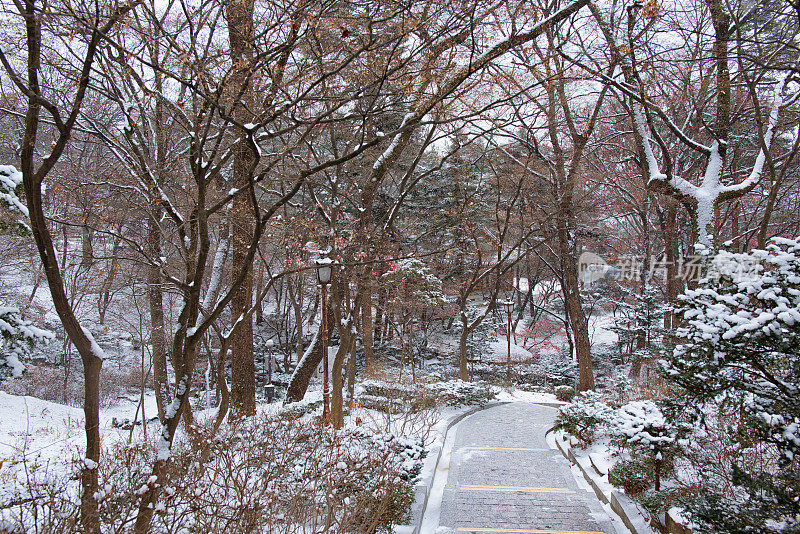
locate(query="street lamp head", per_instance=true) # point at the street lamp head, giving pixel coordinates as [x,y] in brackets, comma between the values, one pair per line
[324,267]
[509,306]
[270,343]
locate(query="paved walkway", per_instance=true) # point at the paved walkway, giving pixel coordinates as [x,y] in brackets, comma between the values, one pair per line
[501,476]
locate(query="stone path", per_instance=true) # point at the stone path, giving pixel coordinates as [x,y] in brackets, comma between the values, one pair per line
[501,476]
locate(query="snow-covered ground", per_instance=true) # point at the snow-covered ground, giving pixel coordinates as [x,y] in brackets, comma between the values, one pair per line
[44,431]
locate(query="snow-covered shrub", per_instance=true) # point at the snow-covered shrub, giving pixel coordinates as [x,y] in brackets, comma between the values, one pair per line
[634,475]
[17,339]
[460,393]
[558,367]
[643,428]
[266,474]
[412,284]
[741,347]
[296,410]
[380,388]
[565,393]
[584,416]
[642,425]
[482,336]
[396,398]
[621,386]
[638,322]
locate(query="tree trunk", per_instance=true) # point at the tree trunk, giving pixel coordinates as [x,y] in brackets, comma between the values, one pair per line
[641,334]
[337,401]
[674,285]
[243,376]
[572,301]
[463,372]
[367,326]
[32,179]
[87,253]
[379,314]
[308,363]
[351,374]
[157,334]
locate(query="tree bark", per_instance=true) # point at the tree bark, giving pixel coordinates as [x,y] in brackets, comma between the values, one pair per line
[577,319]
[463,371]
[156,304]
[87,251]
[243,375]
[32,178]
[308,363]
[379,317]
[671,253]
[367,326]
[347,339]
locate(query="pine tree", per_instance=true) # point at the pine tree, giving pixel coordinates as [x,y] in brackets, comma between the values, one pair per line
[741,348]
[17,338]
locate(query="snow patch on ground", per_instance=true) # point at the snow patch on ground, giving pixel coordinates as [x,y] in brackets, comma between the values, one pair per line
[517,395]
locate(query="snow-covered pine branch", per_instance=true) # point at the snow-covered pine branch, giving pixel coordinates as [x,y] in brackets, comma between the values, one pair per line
[17,338]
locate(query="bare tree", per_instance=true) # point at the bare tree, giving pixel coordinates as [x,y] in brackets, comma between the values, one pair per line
[41,22]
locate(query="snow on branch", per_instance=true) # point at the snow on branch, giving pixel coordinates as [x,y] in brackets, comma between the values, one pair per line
[17,338]
[758,167]
[10,180]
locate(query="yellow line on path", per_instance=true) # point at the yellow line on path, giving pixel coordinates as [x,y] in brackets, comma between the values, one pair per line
[476,448]
[542,405]
[476,487]
[522,530]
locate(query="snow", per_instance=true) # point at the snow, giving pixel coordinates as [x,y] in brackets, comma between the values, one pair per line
[32,426]
[97,351]
[498,351]
[390,150]
[642,423]
[10,179]
[532,397]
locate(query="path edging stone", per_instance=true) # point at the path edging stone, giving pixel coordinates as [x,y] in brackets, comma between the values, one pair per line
[422,490]
[625,507]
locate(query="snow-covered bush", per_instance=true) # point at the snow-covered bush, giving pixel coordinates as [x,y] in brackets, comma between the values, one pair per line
[643,428]
[412,284]
[587,414]
[396,398]
[741,347]
[266,474]
[460,393]
[565,393]
[642,424]
[633,475]
[558,367]
[638,322]
[65,385]
[17,339]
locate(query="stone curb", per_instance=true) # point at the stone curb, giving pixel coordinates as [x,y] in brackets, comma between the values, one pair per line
[422,490]
[622,505]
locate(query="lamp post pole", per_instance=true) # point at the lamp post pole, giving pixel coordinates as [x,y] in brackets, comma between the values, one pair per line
[326,394]
[269,389]
[325,267]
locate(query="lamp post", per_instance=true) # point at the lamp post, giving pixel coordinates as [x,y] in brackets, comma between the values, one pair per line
[269,389]
[324,267]
[509,307]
